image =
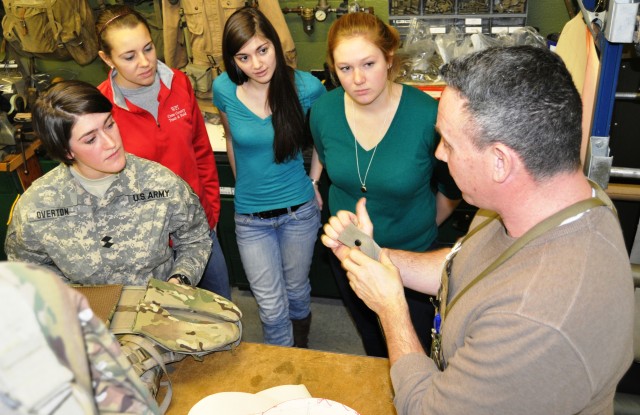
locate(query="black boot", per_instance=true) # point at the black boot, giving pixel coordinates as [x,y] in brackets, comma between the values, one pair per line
[301,332]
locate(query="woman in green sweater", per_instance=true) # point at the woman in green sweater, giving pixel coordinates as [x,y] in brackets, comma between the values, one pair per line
[376,139]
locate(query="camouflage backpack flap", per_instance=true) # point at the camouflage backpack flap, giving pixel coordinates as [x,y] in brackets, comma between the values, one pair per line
[184,297]
[182,319]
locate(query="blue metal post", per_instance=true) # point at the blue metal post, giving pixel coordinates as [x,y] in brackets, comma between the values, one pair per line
[610,56]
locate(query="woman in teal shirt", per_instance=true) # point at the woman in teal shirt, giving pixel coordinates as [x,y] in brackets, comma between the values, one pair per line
[262,103]
[376,139]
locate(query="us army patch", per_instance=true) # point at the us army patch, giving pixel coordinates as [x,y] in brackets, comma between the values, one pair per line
[150,195]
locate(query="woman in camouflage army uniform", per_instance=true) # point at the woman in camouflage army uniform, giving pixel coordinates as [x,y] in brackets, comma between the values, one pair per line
[104,216]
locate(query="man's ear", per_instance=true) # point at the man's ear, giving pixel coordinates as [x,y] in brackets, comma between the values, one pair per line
[502,159]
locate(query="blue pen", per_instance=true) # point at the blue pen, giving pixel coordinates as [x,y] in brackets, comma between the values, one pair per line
[436,323]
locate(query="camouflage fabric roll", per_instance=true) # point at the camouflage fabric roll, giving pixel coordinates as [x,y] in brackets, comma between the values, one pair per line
[50,334]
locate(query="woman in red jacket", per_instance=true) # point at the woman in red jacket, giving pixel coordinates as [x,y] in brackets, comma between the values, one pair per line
[156,109]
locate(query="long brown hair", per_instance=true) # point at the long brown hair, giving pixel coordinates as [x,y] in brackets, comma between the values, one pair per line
[287,115]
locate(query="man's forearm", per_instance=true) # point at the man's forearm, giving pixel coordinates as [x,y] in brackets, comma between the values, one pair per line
[420,271]
[399,332]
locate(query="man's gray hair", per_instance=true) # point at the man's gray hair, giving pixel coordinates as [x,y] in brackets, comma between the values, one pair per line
[525,98]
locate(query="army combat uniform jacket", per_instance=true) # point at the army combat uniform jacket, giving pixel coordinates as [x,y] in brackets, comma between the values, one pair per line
[122,238]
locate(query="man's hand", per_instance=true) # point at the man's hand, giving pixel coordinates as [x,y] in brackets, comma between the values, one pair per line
[378,284]
[336,225]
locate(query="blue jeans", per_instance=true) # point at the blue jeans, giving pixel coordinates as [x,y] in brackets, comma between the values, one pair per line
[276,255]
[216,276]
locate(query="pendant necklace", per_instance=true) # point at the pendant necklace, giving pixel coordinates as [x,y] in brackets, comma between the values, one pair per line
[363,185]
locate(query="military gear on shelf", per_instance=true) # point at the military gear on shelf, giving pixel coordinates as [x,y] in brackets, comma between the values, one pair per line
[200,76]
[165,322]
[205,22]
[51,29]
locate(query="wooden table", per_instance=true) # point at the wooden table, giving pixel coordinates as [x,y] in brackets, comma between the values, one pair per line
[359,382]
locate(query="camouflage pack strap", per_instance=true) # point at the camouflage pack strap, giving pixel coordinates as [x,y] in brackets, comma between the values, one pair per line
[141,358]
[149,347]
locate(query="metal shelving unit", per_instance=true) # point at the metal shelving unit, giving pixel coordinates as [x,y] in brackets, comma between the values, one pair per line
[611,29]
[470,16]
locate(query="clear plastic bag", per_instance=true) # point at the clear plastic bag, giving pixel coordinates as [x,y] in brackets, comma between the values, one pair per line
[421,58]
[424,53]
[510,6]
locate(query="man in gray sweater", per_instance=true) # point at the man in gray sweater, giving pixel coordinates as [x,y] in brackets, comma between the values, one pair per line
[535,307]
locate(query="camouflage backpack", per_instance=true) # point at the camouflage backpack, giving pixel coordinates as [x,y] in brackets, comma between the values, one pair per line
[165,322]
[51,29]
